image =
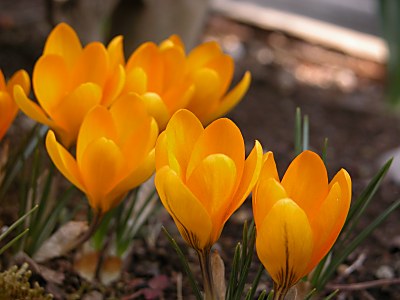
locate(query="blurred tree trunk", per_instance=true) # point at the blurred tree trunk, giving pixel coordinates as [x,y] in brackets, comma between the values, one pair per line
[89,18]
[154,20]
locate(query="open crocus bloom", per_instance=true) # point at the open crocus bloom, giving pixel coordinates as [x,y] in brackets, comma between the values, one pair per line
[8,107]
[202,176]
[114,154]
[69,80]
[299,218]
[169,80]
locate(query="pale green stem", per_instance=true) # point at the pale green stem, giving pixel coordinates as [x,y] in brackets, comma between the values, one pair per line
[208,283]
[279,292]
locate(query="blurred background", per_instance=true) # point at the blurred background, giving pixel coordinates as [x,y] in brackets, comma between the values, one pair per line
[337,60]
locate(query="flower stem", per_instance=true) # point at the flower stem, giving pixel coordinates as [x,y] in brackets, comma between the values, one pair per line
[279,292]
[208,283]
[91,230]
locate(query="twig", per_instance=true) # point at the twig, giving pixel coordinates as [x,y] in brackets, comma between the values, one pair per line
[363,285]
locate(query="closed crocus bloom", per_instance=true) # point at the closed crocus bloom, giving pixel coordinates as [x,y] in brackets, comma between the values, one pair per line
[8,107]
[202,176]
[68,80]
[299,218]
[114,153]
[170,80]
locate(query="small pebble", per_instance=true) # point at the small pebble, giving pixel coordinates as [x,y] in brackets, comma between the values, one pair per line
[384,272]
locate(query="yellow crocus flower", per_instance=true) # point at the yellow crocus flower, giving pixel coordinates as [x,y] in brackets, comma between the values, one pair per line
[299,218]
[8,107]
[202,176]
[114,153]
[169,80]
[68,80]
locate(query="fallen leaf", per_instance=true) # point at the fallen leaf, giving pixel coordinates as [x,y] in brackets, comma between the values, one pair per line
[61,242]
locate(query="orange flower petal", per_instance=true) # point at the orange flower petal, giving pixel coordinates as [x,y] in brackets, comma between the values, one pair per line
[181,135]
[148,58]
[268,192]
[284,243]
[136,81]
[213,182]
[19,78]
[221,136]
[100,167]
[230,100]
[224,66]
[64,42]
[50,81]
[135,178]
[306,181]
[8,111]
[113,86]
[156,108]
[251,171]
[92,65]
[178,96]
[98,123]
[30,108]
[175,63]
[115,51]
[327,223]
[207,83]
[189,215]
[64,161]
[173,41]
[203,53]
[70,112]
[3,85]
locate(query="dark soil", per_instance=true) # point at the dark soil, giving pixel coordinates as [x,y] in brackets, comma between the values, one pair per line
[344,99]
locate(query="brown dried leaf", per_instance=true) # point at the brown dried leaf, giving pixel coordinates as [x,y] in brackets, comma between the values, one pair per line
[61,242]
[218,271]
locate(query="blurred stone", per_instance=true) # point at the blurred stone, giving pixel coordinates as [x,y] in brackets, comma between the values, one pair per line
[232,45]
[93,295]
[393,172]
[384,272]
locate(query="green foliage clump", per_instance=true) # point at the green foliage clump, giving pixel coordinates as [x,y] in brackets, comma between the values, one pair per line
[14,284]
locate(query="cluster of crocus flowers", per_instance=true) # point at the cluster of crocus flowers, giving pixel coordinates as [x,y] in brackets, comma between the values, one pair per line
[114,153]
[202,177]
[8,107]
[299,218]
[169,79]
[68,80]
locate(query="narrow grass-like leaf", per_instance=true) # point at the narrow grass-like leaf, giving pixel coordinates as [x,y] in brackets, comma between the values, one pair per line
[362,202]
[17,223]
[306,133]
[325,151]
[43,204]
[244,271]
[297,133]
[339,257]
[318,270]
[184,263]
[331,295]
[234,273]
[14,240]
[252,290]
[310,294]
[102,230]
[50,222]
[264,293]
[15,163]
